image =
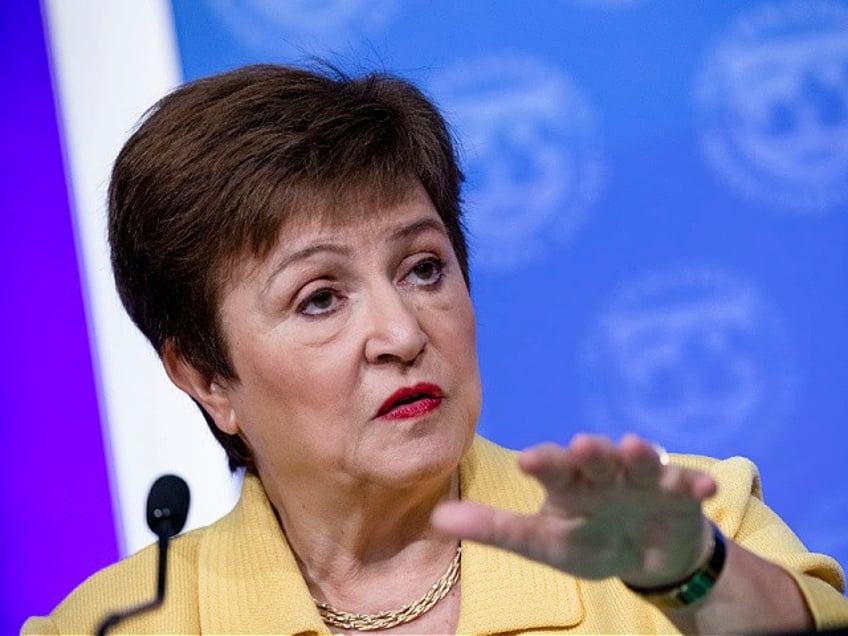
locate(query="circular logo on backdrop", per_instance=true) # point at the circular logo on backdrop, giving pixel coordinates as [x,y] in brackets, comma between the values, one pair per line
[301,26]
[773,103]
[531,154]
[691,357]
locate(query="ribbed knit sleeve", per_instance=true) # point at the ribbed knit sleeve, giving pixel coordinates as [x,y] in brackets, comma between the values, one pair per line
[740,512]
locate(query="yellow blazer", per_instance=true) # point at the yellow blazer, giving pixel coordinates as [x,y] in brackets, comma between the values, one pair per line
[240,576]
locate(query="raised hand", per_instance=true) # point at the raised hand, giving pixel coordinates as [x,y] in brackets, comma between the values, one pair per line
[609,510]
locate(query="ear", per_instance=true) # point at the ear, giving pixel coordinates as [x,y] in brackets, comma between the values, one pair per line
[211,394]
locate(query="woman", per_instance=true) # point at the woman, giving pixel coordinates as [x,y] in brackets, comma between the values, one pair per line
[292,246]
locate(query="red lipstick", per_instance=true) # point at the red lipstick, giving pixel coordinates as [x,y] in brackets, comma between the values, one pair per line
[411,402]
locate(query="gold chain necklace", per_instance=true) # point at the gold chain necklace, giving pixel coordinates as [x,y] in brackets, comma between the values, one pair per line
[391,618]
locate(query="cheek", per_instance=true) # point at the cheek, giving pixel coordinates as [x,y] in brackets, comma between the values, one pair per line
[460,333]
[289,358]
[299,383]
[314,382]
[468,337]
[465,326]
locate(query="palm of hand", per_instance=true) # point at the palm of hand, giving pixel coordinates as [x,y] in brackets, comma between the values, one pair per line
[609,511]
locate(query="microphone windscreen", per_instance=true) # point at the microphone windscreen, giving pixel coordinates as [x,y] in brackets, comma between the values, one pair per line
[167,505]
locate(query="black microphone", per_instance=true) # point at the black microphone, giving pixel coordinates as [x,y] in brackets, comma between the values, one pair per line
[167,508]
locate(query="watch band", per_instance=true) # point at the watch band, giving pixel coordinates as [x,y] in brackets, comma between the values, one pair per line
[695,586]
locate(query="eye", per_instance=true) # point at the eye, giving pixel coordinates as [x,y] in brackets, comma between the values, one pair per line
[321,302]
[426,272]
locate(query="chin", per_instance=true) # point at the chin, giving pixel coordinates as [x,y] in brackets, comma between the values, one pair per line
[428,461]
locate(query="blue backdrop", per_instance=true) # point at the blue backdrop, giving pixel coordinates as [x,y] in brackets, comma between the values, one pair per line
[657,199]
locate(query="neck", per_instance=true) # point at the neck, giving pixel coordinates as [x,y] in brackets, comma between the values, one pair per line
[350,542]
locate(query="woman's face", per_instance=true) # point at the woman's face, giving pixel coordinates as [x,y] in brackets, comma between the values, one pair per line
[354,345]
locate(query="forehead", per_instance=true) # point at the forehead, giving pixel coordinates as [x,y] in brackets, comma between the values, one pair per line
[363,230]
[352,214]
[295,210]
[343,223]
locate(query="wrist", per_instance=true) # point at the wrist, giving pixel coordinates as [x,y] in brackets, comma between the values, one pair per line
[696,585]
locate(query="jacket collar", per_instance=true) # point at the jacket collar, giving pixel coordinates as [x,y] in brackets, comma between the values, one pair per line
[502,591]
[249,581]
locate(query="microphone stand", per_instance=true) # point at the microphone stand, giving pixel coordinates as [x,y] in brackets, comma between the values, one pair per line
[167,507]
[113,619]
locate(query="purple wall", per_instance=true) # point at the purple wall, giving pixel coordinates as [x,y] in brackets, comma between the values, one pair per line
[51,421]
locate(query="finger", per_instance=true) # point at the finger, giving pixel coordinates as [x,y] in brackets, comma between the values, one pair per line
[640,461]
[479,523]
[550,464]
[595,458]
[704,486]
[686,482]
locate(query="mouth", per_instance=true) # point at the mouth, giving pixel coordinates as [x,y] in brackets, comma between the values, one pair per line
[412,401]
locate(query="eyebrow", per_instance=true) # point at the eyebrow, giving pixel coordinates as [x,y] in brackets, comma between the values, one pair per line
[401,233]
[300,255]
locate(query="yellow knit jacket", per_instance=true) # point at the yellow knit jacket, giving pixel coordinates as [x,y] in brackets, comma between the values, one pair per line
[239,576]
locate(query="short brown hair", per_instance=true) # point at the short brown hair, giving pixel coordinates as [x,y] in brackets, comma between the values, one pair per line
[217,167]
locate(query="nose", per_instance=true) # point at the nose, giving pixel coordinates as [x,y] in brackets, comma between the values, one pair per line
[394,331]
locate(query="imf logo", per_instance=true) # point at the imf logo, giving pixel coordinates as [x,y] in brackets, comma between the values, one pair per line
[532,154]
[773,101]
[687,355]
[301,26]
